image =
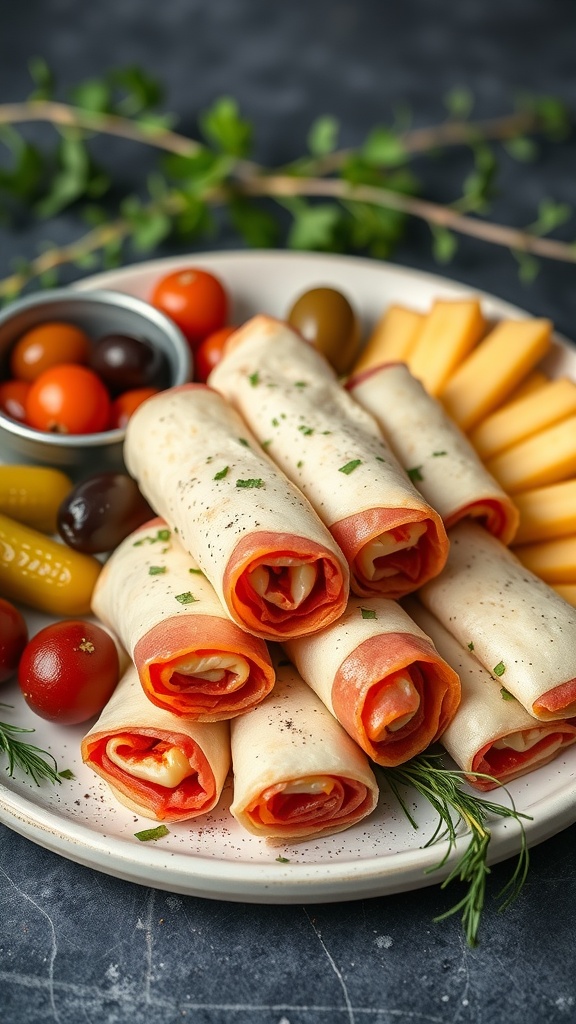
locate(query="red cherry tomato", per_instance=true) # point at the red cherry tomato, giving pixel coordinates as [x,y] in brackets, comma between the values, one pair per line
[47,345]
[126,403]
[13,395]
[13,638]
[68,399]
[194,299]
[209,353]
[68,671]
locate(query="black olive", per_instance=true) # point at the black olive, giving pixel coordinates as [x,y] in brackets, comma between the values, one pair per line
[101,511]
[124,363]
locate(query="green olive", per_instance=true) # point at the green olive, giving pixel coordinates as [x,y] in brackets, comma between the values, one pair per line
[325,318]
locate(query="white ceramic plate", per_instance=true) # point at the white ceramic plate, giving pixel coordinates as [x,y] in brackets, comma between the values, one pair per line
[213,857]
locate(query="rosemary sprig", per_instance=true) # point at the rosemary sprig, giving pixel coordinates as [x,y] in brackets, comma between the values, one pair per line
[455,807]
[35,762]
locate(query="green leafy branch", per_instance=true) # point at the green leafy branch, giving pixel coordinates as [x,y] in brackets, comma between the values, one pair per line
[26,757]
[331,199]
[462,817]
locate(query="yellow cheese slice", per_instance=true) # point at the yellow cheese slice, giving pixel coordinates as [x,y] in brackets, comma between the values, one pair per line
[494,369]
[531,383]
[547,458]
[392,339]
[554,561]
[547,512]
[525,417]
[567,591]
[450,331]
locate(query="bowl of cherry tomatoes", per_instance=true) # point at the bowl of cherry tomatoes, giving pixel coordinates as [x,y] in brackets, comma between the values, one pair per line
[73,367]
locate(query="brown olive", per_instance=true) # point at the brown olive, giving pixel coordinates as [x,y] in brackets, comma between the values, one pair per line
[101,511]
[325,318]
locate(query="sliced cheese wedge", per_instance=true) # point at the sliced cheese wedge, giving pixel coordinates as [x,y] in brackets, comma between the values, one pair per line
[547,458]
[450,331]
[392,339]
[513,423]
[494,369]
[547,512]
[552,560]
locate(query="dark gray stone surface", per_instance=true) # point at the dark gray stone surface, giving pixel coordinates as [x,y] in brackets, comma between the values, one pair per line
[77,946]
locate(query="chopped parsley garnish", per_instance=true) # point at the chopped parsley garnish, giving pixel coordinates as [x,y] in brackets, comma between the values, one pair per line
[505,694]
[300,383]
[415,474]
[499,669]
[436,454]
[243,441]
[299,464]
[305,430]
[471,646]
[258,482]
[265,444]
[160,535]
[197,572]
[283,860]
[156,570]
[66,773]
[275,422]
[379,458]
[221,473]
[254,379]
[186,598]
[149,834]
[350,466]
[368,613]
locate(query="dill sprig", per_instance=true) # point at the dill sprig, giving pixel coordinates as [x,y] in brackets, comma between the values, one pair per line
[32,760]
[461,814]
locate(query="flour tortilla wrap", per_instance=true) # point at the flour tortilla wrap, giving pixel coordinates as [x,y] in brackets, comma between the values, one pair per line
[297,774]
[191,659]
[157,764]
[522,632]
[382,678]
[445,467]
[491,733]
[274,566]
[335,453]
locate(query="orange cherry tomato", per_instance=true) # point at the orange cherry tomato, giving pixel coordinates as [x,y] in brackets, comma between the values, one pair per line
[209,353]
[13,395]
[47,345]
[127,403]
[68,399]
[194,299]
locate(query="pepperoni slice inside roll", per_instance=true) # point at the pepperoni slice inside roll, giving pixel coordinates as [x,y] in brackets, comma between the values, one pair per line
[334,451]
[273,564]
[382,678]
[190,657]
[296,772]
[157,764]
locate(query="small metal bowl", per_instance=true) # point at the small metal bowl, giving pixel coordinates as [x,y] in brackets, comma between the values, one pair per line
[98,313]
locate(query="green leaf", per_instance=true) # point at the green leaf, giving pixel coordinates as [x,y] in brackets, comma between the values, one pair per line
[314,226]
[350,466]
[499,669]
[43,77]
[551,215]
[94,95]
[383,148]
[71,179]
[554,116]
[141,90]
[23,181]
[528,266]
[223,126]
[368,613]
[257,227]
[154,227]
[199,171]
[323,136]
[156,123]
[522,149]
[149,834]
[444,244]
[459,102]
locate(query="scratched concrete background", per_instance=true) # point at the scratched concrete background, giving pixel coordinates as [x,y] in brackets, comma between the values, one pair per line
[77,946]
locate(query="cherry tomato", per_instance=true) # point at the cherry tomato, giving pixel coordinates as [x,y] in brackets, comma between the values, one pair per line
[101,511]
[13,638]
[13,395]
[123,406]
[124,363]
[209,353]
[68,399]
[47,345]
[68,671]
[195,300]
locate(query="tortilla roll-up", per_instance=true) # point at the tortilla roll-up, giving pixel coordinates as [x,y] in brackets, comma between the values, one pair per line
[433,450]
[157,764]
[335,453]
[491,733]
[381,677]
[273,564]
[297,774]
[191,659]
[519,629]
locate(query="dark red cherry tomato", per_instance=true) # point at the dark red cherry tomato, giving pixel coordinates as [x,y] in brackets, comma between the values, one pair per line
[194,299]
[13,639]
[125,404]
[68,671]
[13,395]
